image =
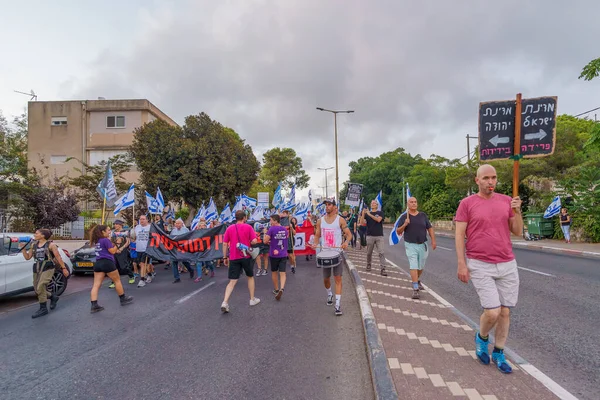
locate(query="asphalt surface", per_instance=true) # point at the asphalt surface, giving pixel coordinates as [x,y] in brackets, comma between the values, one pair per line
[556,324]
[168,345]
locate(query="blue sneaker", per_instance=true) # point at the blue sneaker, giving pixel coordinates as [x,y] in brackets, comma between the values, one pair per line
[481,349]
[500,361]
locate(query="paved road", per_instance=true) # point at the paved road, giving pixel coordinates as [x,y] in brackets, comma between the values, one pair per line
[162,348]
[556,325]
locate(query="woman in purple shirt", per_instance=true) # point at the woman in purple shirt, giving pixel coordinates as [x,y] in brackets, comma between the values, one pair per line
[105,266]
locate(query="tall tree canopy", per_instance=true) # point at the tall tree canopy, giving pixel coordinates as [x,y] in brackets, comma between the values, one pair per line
[194,162]
[591,70]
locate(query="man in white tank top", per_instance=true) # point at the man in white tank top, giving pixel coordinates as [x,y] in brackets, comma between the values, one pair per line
[332,229]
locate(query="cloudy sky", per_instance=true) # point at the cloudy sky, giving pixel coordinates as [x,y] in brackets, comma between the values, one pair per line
[414,72]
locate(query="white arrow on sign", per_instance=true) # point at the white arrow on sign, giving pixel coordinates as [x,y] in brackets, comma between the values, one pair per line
[497,140]
[538,135]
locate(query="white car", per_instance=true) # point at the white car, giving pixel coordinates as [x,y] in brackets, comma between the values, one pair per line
[16,273]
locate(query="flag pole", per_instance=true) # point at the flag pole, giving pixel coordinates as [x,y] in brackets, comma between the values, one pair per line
[103,210]
[133,211]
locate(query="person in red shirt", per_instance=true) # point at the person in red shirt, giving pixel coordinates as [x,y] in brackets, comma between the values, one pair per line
[487,219]
[238,238]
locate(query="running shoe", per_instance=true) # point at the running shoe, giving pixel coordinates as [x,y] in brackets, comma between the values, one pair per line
[338,311]
[149,279]
[279,294]
[258,273]
[254,301]
[198,279]
[421,287]
[416,295]
[368,267]
[224,308]
[264,272]
[177,280]
[275,291]
[132,280]
[111,286]
[500,361]
[141,283]
[330,299]
[136,275]
[481,349]
[383,273]
[293,269]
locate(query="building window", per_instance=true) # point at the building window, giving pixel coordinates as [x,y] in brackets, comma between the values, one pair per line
[58,159]
[96,156]
[115,121]
[56,121]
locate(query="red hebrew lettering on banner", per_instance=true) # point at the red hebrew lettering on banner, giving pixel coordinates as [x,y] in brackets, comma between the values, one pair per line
[304,235]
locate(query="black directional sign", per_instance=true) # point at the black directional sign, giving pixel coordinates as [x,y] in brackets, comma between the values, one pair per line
[497,128]
[538,126]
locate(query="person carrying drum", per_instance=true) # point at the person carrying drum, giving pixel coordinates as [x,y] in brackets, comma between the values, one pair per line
[332,229]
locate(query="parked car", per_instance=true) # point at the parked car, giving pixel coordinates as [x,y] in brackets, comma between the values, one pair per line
[84,257]
[16,273]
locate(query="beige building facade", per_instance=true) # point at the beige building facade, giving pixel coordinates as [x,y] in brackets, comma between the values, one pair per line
[86,130]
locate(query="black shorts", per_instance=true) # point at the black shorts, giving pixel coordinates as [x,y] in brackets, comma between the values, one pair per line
[264,250]
[236,267]
[278,264]
[104,265]
[143,258]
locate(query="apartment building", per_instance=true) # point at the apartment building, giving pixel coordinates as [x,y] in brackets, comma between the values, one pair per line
[87,130]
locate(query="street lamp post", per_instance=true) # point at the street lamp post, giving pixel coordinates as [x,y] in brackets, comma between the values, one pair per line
[325,169]
[337,170]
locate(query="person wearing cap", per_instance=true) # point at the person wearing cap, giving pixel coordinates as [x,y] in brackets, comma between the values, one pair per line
[333,229]
[120,238]
[374,220]
[180,229]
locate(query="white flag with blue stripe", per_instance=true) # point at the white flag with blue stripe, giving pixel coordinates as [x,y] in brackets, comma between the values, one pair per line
[125,201]
[292,201]
[379,201]
[160,200]
[408,194]
[554,208]
[201,213]
[249,202]
[258,214]
[301,212]
[211,212]
[394,237]
[238,205]
[277,200]
[225,215]
[152,204]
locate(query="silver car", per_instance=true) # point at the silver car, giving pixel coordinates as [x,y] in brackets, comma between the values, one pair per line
[16,274]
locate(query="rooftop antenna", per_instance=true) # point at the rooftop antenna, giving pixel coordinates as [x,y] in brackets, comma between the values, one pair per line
[32,94]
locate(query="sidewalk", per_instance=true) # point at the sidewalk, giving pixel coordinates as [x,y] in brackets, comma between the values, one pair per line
[587,250]
[430,350]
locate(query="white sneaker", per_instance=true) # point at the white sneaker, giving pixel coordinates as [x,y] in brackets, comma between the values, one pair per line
[148,279]
[254,301]
[224,308]
[258,273]
[264,272]
[141,283]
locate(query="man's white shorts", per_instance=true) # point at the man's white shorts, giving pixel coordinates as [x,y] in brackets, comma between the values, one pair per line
[496,284]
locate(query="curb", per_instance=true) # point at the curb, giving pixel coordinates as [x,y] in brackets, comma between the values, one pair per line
[381,376]
[546,249]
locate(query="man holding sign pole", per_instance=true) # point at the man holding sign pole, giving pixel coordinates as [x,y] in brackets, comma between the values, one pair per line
[487,219]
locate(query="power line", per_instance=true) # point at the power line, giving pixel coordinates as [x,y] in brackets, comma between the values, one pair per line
[587,112]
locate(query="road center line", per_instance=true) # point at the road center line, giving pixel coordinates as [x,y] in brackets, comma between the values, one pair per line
[537,272]
[445,248]
[195,292]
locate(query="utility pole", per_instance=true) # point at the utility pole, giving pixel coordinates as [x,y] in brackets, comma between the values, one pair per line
[469,147]
[326,169]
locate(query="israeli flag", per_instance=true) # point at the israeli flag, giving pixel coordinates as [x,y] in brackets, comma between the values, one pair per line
[125,201]
[238,205]
[321,209]
[171,213]
[408,194]
[394,238]
[301,213]
[152,204]
[310,197]
[225,214]
[211,212]
[160,200]
[292,201]
[379,202]
[554,208]
[361,205]
[277,200]
[249,202]
[258,214]
[201,213]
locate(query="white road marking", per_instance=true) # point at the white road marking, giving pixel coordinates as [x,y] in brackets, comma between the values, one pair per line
[537,272]
[195,292]
[445,248]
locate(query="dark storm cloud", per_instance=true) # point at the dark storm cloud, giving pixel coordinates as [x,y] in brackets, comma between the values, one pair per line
[413,71]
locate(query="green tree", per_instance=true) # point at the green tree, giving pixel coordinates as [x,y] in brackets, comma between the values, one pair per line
[194,162]
[282,165]
[591,70]
[86,184]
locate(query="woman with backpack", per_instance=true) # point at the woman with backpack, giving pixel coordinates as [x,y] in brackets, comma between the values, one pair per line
[46,257]
[105,266]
